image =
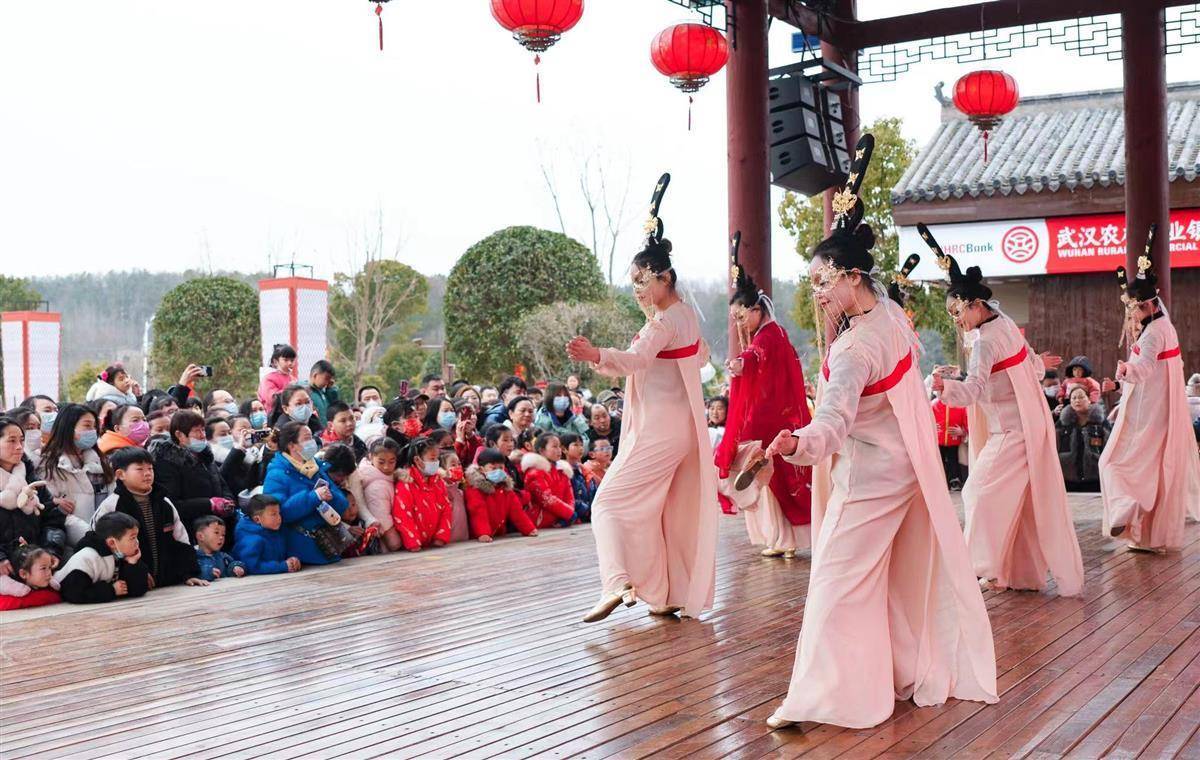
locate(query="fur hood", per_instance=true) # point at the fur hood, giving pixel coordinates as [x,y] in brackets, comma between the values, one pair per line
[532,461]
[101,389]
[475,478]
[1068,418]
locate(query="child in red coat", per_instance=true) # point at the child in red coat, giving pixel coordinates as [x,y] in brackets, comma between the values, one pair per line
[491,501]
[421,510]
[951,432]
[548,481]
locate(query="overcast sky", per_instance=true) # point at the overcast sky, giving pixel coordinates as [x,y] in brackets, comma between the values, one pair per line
[227,134]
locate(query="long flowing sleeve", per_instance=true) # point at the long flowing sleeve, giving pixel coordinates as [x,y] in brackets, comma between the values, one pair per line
[656,336]
[979,370]
[1141,363]
[831,422]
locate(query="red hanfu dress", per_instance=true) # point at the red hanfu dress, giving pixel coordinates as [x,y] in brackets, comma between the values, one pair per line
[769,396]
[1150,471]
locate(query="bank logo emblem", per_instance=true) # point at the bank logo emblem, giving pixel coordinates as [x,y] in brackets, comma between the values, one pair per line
[1019,244]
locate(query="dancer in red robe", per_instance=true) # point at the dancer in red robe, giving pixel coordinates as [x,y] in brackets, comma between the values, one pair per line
[766,396]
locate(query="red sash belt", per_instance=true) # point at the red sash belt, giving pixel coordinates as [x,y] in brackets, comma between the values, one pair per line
[887,383]
[1168,354]
[680,353]
[1011,361]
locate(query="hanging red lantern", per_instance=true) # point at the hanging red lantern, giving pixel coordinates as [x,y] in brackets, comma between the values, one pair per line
[985,97]
[689,54]
[379,15]
[537,24]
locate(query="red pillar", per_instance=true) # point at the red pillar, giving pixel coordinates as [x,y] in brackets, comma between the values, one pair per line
[749,167]
[1146,185]
[845,9]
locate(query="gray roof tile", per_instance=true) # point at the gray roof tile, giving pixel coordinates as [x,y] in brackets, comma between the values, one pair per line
[1047,144]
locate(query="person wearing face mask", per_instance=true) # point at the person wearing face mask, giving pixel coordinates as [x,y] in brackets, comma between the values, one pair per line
[293,404]
[439,415]
[1050,387]
[219,434]
[27,511]
[77,475]
[220,403]
[421,511]
[1018,522]
[186,470]
[302,484]
[31,425]
[893,608]
[125,426]
[1150,471]
[245,465]
[555,415]
[655,515]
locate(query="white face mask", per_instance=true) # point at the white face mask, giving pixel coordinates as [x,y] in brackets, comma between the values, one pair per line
[1050,391]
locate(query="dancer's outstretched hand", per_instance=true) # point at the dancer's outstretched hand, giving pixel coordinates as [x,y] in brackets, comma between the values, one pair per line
[784,444]
[1051,361]
[580,349]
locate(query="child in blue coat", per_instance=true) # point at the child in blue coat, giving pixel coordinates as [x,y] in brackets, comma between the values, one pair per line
[303,486]
[259,543]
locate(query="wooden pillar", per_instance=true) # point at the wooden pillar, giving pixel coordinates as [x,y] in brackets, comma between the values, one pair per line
[1146,185]
[844,9]
[749,166]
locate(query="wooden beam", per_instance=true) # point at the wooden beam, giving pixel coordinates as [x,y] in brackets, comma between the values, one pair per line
[961,19]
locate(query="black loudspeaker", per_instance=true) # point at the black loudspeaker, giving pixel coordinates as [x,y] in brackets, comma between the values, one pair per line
[806,137]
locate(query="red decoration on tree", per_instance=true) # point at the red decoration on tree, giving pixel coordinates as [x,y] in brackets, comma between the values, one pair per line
[537,24]
[689,54]
[985,97]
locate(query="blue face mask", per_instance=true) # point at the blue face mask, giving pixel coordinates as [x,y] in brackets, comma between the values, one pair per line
[301,413]
[562,404]
[258,420]
[497,476]
[197,446]
[231,407]
[309,449]
[86,440]
[429,468]
[447,420]
[48,421]
[224,442]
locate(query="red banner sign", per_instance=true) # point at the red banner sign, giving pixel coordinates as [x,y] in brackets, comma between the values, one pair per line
[1097,243]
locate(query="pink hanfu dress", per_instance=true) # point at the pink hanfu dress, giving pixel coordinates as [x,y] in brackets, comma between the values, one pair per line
[1150,470]
[893,609]
[655,515]
[1019,524]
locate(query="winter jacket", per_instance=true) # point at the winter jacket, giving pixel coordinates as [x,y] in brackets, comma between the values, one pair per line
[219,561]
[492,507]
[272,383]
[496,414]
[298,504]
[260,550]
[584,488]
[375,493]
[946,418]
[166,548]
[108,391]
[468,449]
[88,576]
[421,509]
[111,441]
[15,595]
[243,469]
[36,520]
[83,484]
[551,498]
[573,423]
[1088,382]
[1080,446]
[321,399]
[191,481]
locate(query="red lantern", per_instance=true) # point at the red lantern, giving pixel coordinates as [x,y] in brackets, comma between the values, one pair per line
[689,54]
[985,97]
[537,24]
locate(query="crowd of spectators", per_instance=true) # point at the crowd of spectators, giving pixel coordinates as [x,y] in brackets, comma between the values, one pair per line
[133,491]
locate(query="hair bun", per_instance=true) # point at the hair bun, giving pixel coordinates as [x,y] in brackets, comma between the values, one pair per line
[864,236]
[974,274]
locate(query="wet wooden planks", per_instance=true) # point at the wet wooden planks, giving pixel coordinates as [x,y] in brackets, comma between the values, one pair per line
[476,651]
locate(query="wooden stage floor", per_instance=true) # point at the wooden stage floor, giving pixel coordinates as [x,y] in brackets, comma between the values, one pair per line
[477,651]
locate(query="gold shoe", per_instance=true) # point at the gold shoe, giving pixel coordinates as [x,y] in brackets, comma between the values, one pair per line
[778,723]
[667,611]
[605,606]
[789,554]
[772,552]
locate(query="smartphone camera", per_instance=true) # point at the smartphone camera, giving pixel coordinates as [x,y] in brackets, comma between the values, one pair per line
[206,370]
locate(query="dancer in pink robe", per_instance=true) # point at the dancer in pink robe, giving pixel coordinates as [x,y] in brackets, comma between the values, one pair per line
[1019,524]
[1149,471]
[893,608]
[655,515]
[766,395]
